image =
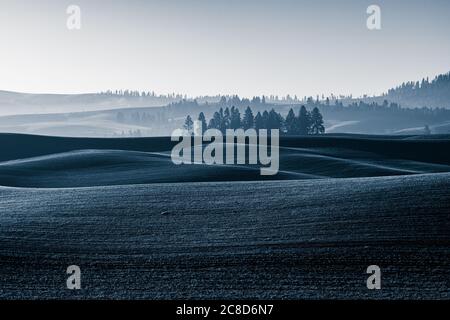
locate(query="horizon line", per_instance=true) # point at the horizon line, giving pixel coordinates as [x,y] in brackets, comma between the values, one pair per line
[193,97]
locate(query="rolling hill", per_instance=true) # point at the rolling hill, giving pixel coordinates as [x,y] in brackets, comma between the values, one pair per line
[17,103]
[242,240]
[141,228]
[111,115]
[51,162]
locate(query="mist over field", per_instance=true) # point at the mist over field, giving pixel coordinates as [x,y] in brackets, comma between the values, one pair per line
[132,113]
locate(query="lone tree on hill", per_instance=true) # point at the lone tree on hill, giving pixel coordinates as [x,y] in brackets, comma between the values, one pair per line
[188,124]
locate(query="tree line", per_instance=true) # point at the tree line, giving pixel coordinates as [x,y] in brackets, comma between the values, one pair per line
[304,123]
[435,93]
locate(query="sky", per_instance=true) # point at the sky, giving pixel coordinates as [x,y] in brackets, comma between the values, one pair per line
[209,47]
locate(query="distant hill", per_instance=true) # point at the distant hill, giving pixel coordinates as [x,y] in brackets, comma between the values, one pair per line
[13,103]
[418,94]
[406,109]
[413,94]
[359,118]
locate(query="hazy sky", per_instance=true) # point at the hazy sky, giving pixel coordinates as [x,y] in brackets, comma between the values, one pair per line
[245,47]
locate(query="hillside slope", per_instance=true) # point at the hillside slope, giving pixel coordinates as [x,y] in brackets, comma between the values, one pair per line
[16,103]
[281,240]
[47,162]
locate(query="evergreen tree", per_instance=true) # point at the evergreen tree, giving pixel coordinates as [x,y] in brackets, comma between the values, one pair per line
[188,124]
[265,120]
[259,122]
[224,118]
[291,123]
[274,120]
[248,120]
[212,124]
[223,101]
[304,121]
[317,126]
[227,118]
[215,122]
[202,120]
[235,121]
[256,101]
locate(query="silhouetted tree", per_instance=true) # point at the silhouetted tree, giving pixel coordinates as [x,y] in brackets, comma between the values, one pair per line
[265,119]
[224,118]
[275,120]
[248,121]
[188,124]
[256,101]
[304,121]
[317,126]
[202,120]
[235,121]
[215,122]
[259,122]
[291,123]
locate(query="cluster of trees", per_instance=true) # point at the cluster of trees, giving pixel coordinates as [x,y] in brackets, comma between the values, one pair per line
[382,109]
[145,119]
[435,93]
[238,102]
[130,133]
[143,94]
[235,100]
[422,88]
[306,122]
[331,107]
